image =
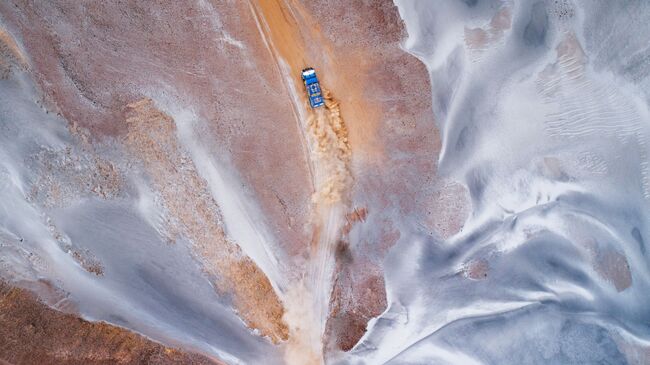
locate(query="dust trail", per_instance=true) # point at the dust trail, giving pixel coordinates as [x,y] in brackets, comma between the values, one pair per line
[307,303]
[327,133]
[326,144]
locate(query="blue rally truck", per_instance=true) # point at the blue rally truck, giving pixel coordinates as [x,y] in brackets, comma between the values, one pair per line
[313,88]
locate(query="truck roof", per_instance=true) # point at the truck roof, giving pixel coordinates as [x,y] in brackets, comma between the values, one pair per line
[308,72]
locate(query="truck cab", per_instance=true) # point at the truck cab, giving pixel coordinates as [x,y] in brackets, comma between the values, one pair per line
[313,87]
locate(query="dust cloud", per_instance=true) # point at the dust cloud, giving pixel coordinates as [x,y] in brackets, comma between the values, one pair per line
[307,303]
[329,139]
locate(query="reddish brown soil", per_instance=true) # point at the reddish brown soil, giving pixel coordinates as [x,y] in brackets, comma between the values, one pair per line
[348,319]
[32,333]
[91,59]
